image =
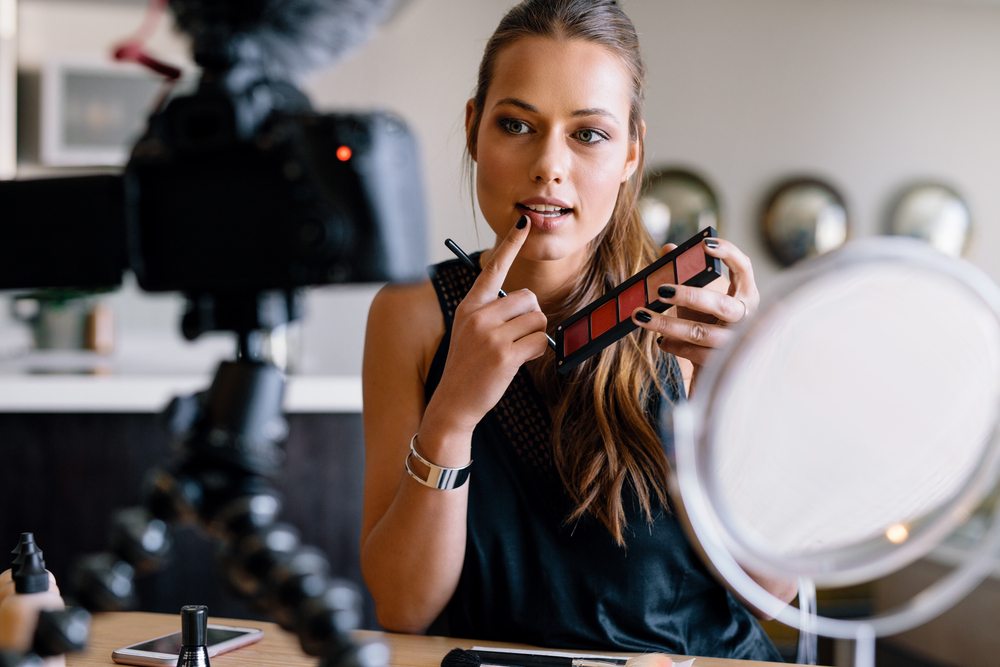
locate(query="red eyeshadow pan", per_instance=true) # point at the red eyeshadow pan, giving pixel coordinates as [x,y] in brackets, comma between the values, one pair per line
[662,276]
[632,298]
[690,264]
[576,336]
[602,319]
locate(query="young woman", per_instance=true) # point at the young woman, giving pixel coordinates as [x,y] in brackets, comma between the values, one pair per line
[563,535]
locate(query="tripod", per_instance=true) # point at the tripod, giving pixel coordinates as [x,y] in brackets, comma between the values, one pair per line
[229,443]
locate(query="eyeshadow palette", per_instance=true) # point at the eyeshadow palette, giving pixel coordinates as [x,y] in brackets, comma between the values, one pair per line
[601,323]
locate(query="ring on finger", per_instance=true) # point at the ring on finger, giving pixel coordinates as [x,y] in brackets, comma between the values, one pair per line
[743,316]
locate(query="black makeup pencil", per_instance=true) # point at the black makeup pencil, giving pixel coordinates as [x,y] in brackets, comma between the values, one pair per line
[451,245]
[477,657]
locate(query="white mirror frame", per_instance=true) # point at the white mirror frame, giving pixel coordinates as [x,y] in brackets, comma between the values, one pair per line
[704,521]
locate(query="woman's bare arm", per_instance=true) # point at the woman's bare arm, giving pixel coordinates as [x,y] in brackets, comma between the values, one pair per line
[413,537]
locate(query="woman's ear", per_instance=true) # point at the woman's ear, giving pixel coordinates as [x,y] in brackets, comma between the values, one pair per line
[470,121]
[635,149]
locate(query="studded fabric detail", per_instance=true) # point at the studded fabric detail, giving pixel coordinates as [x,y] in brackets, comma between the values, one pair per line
[520,413]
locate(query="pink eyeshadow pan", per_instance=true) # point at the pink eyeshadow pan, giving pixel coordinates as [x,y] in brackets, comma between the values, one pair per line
[632,298]
[690,264]
[576,336]
[662,276]
[603,318]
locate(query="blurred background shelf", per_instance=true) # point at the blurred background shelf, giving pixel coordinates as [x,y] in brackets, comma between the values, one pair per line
[63,393]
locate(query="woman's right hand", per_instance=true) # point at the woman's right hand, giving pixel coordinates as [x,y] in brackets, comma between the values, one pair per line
[490,339]
[413,538]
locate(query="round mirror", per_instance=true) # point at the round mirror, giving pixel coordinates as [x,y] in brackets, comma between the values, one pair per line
[934,213]
[802,218]
[827,443]
[676,204]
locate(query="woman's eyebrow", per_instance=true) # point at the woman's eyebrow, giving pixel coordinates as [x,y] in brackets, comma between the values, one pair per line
[590,111]
[597,111]
[517,103]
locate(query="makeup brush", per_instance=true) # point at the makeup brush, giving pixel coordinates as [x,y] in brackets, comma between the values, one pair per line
[451,245]
[480,658]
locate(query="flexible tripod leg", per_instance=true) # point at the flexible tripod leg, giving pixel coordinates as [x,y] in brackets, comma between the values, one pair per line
[229,443]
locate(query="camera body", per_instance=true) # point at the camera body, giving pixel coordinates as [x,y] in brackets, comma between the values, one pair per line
[306,200]
[239,188]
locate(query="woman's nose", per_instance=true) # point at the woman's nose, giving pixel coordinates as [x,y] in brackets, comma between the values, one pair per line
[551,162]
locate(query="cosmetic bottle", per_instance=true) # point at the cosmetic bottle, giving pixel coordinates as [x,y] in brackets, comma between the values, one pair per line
[194,636]
[19,610]
[25,545]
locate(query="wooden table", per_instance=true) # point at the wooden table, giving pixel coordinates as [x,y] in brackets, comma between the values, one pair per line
[281,649]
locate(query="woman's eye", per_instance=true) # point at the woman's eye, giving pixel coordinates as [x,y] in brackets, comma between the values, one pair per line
[514,126]
[588,136]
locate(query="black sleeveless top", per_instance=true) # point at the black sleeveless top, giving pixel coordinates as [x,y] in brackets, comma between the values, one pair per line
[530,577]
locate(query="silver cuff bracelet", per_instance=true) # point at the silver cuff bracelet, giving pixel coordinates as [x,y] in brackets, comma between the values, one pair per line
[438,477]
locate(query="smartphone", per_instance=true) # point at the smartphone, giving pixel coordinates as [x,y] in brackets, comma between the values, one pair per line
[166,649]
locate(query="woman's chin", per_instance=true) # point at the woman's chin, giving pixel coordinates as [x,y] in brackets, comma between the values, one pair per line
[546,248]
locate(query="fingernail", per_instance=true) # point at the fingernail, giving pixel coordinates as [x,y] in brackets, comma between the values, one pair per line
[659,340]
[644,316]
[712,243]
[522,222]
[666,291]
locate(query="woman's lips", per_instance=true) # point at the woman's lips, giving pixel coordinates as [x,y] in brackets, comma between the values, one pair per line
[545,220]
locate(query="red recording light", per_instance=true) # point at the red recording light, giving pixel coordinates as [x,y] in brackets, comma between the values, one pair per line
[344,153]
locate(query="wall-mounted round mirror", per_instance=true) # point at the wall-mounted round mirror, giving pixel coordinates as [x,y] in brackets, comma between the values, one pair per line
[803,217]
[676,204]
[932,212]
[825,445]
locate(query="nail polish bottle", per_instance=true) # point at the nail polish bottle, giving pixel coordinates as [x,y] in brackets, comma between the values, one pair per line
[25,545]
[194,636]
[19,610]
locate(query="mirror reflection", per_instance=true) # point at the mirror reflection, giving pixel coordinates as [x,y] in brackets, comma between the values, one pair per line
[934,213]
[676,204]
[803,217]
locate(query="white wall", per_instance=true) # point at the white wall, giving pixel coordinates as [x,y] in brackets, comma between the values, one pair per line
[867,93]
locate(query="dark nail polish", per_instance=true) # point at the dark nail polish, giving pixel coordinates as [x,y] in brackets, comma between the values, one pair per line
[644,316]
[659,340]
[712,243]
[666,291]
[522,222]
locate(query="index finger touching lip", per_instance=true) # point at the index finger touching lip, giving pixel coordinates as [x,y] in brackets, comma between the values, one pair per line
[495,270]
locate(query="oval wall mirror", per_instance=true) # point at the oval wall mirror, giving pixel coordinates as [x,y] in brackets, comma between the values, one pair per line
[813,448]
[676,204]
[803,217]
[934,213]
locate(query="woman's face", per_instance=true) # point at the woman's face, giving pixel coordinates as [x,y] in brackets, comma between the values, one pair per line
[553,142]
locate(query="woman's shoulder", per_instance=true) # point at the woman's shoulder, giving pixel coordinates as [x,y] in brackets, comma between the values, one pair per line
[407,317]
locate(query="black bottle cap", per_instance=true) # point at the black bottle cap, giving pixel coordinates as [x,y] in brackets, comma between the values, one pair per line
[30,576]
[25,545]
[194,625]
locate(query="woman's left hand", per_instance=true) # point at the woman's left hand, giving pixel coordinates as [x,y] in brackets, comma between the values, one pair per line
[701,319]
